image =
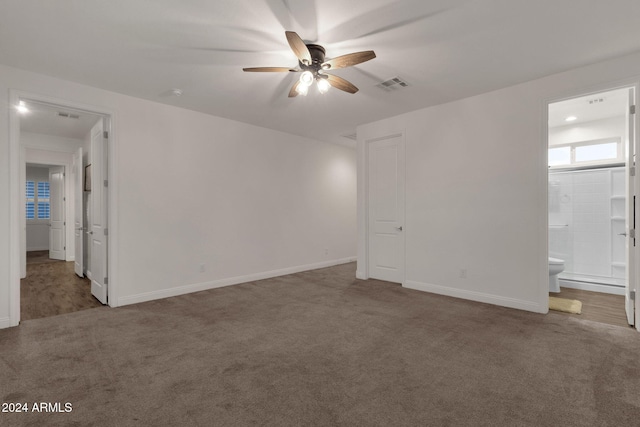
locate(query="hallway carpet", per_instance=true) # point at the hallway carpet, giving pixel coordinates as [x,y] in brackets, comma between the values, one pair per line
[320,348]
[39,257]
[51,288]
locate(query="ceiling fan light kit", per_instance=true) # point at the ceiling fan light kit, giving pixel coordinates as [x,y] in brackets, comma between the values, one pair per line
[312,64]
[323,85]
[301,90]
[306,78]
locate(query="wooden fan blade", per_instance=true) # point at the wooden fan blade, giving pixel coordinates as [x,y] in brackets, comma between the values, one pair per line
[298,47]
[340,83]
[349,60]
[269,69]
[293,92]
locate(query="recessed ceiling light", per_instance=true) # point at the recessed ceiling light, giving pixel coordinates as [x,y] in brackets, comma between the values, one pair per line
[570,119]
[22,108]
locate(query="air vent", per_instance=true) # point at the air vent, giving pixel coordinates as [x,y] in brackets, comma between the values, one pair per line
[394,83]
[596,100]
[68,115]
[352,136]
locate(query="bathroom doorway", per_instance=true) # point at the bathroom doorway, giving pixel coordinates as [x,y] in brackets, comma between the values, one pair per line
[591,200]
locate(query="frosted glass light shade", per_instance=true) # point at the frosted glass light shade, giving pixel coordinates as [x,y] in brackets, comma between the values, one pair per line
[306,79]
[323,85]
[302,89]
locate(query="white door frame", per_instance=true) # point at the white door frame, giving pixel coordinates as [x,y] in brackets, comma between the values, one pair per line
[544,215]
[15,192]
[362,269]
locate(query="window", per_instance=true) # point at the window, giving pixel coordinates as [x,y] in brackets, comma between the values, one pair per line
[31,196]
[38,203]
[587,153]
[559,156]
[43,200]
[595,152]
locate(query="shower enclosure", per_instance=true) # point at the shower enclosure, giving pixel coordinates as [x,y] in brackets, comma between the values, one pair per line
[587,227]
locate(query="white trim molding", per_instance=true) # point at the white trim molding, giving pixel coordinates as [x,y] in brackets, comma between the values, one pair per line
[37,248]
[204,286]
[477,296]
[5,322]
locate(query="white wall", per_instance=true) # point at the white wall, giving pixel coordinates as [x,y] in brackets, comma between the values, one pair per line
[476,180]
[589,131]
[37,237]
[193,189]
[37,173]
[49,142]
[239,199]
[37,229]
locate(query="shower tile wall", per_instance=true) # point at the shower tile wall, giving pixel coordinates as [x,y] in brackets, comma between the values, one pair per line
[586,213]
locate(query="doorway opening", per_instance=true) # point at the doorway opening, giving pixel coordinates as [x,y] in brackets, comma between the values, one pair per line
[591,203]
[63,203]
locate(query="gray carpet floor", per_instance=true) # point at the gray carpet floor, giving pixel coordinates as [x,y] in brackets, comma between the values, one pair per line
[52,288]
[320,348]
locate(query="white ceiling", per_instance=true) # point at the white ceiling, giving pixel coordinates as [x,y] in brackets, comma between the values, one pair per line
[589,108]
[445,50]
[56,121]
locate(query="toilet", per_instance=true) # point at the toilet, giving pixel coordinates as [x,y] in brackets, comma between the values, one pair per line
[556,266]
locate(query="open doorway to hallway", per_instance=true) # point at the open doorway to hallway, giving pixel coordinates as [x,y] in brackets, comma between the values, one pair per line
[59,146]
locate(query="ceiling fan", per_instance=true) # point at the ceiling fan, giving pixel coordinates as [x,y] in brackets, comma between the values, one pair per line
[312,64]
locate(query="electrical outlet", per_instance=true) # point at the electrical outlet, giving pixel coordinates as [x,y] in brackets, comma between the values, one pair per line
[202,268]
[463,273]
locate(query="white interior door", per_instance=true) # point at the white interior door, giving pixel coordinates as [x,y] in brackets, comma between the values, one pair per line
[98,232]
[632,184]
[76,174]
[386,209]
[56,213]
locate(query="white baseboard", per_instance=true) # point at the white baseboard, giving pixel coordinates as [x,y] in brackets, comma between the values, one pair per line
[38,248]
[593,287]
[197,287]
[476,296]
[5,322]
[361,275]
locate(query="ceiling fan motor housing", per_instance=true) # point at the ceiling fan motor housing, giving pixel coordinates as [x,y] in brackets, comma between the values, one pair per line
[317,59]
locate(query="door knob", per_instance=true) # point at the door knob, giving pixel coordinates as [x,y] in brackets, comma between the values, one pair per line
[399,228]
[622,234]
[91,232]
[79,229]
